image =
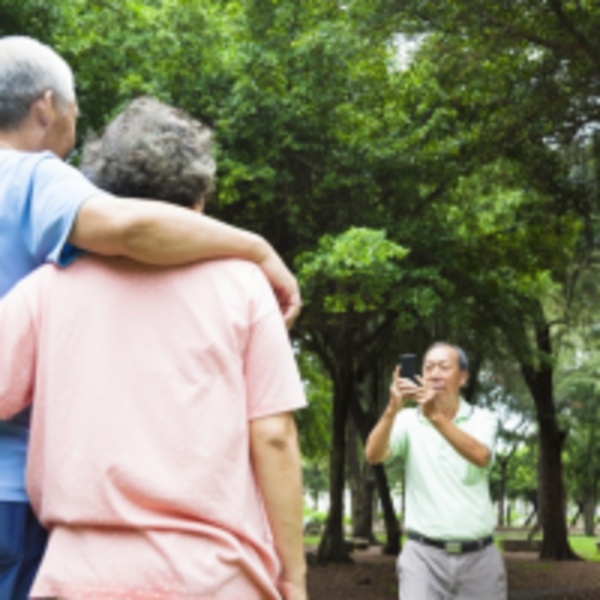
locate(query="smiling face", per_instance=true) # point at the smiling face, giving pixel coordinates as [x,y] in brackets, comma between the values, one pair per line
[442,372]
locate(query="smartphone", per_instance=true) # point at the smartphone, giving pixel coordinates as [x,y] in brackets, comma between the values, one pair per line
[408,366]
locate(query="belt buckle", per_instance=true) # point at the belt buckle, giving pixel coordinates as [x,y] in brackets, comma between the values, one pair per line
[453,547]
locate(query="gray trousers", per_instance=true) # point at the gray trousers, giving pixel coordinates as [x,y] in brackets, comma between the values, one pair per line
[428,573]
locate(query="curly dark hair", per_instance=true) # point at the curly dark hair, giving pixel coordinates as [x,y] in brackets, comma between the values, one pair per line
[152,150]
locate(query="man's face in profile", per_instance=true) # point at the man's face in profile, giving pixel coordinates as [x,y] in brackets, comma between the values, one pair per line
[442,372]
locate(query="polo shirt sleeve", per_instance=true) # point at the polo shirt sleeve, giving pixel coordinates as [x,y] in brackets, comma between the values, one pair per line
[17,351]
[399,436]
[273,383]
[56,194]
[486,431]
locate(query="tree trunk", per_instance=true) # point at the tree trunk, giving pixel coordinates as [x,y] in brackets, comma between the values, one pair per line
[362,513]
[333,547]
[392,527]
[589,512]
[362,486]
[531,516]
[555,543]
[590,490]
[578,513]
[502,491]
[364,424]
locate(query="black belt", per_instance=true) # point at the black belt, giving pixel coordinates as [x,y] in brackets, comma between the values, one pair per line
[452,547]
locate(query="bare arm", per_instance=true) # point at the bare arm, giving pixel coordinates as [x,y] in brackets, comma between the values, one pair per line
[378,444]
[162,234]
[276,457]
[468,447]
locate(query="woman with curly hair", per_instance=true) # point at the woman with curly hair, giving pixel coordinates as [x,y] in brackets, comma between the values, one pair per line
[163,454]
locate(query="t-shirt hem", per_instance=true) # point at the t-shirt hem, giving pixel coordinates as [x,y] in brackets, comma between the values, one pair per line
[77,592]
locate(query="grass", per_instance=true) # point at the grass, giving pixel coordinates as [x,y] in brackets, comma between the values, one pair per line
[585,547]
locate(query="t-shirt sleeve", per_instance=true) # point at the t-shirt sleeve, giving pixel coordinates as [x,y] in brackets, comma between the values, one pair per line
[56,195]
[273,383]
[17,351]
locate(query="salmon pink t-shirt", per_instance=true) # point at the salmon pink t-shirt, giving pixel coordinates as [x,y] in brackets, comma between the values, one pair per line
[143,382]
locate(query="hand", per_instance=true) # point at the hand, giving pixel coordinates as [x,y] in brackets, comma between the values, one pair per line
[400,391]
[291,590]
[425,398]
[284,285]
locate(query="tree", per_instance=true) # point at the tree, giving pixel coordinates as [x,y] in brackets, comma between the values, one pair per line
[349,283]
[520,82]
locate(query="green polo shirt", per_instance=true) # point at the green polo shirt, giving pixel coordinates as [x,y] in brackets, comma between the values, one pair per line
[447,497]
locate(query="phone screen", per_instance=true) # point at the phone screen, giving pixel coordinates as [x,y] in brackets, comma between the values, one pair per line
[408,366]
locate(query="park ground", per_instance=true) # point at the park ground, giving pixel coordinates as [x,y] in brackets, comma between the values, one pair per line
[372,576]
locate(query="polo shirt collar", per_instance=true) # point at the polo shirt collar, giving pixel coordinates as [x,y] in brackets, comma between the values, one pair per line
[465,410]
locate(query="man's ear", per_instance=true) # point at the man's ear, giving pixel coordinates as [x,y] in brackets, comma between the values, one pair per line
[43,109]
[464,377]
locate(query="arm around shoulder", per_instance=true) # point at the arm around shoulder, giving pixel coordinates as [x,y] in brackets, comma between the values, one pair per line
[162,234]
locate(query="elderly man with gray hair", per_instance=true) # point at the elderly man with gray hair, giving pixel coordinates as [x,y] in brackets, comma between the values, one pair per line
[49,212]
[448,447]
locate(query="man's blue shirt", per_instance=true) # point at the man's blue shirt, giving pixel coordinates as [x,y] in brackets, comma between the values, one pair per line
[39,199]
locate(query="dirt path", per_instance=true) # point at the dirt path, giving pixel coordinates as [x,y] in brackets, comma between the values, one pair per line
[373,577]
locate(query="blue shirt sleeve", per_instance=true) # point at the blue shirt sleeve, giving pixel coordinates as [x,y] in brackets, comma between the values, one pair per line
[56,194]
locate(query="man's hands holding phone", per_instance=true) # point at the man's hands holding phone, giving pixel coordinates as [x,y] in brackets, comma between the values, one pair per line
[403,389]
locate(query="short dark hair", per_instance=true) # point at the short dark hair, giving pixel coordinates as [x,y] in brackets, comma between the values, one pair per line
[463,361]
[152,150]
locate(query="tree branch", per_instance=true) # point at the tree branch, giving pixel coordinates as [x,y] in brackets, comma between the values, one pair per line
[579,38]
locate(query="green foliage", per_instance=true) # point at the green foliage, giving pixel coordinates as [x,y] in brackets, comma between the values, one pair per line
[34,18]
[361,263]
[314,422]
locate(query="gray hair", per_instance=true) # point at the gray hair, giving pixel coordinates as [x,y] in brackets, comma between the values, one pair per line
[28,69]
[152,150]
[463,361]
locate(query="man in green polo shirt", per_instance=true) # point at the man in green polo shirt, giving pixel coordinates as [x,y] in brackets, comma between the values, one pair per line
[448,447]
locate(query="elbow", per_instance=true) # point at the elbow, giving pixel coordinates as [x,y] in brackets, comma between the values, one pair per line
[277,442]
[482,459]
[7,411]
[277,434]
[371,459]
[371,455]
